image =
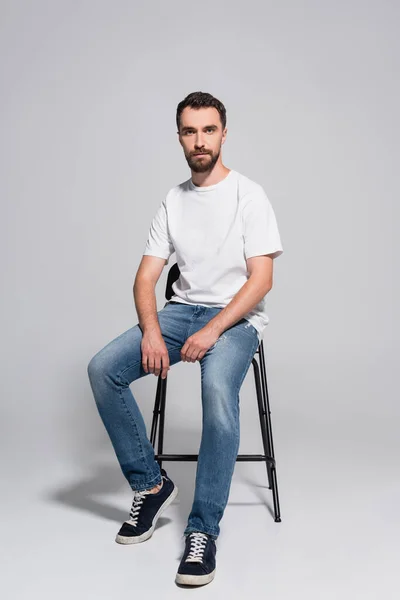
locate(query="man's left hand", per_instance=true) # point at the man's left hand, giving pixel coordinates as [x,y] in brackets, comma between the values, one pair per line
[197,344]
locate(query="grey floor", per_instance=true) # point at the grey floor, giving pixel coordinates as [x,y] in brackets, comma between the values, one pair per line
[338,537]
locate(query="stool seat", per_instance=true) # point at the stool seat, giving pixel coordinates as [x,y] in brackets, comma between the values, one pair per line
[260,378]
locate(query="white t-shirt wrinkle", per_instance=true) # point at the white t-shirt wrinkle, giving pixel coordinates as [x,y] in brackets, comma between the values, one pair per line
[213,230]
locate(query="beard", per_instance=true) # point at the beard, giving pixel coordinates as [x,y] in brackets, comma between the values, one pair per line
[201,165]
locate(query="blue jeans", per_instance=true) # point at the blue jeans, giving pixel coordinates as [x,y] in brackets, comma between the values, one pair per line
[223,369]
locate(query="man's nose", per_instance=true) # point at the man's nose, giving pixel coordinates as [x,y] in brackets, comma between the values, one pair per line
[199,143]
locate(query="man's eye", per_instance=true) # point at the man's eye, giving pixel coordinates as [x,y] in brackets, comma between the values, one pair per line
[208,129]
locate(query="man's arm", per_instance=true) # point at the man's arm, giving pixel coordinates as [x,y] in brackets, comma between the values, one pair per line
[256,287]
[147,275]
[262,244]
[155,357]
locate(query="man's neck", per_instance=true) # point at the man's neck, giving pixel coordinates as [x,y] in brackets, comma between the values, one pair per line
[212,178]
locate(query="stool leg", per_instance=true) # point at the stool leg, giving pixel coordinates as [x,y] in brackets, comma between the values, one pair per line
[263,422]
[156,411]
[267,412]
[263,409]
[266,432]
[163,395]
[266,398]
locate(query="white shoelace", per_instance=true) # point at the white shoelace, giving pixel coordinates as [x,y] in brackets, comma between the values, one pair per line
[198,541]
[138,497]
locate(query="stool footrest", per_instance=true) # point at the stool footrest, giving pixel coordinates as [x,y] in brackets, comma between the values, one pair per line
[194,457]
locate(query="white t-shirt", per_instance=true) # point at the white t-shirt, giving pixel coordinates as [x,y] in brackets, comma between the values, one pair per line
[213,230]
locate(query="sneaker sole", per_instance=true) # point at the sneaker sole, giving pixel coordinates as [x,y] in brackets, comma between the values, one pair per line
[194,579]
[136,539]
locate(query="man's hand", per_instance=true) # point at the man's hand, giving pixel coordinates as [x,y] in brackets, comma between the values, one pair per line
[154,354]
[197,344]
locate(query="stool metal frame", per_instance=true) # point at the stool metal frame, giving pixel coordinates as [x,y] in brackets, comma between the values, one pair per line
[260,377]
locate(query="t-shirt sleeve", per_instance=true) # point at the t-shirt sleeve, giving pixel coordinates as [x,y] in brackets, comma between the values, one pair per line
[158,241]
[260,228]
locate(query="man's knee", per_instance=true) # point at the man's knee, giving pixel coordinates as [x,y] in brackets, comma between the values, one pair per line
[220,404]
[97,366]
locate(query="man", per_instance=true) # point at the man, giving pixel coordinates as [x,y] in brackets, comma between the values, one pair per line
[224,232]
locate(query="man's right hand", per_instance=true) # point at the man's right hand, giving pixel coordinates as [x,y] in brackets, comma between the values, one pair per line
[155,357]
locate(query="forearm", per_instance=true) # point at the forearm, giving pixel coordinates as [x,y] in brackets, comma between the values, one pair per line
[243,301]
[146,305]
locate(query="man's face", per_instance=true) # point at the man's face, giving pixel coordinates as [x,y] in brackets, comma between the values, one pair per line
[201,132]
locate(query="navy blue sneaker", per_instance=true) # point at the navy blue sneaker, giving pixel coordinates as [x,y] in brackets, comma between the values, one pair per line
[146,509]
[197,566]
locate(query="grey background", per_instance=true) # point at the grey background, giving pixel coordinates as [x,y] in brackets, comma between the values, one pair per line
[88,149]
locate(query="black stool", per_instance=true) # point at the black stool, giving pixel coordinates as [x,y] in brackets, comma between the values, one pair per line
[263,409]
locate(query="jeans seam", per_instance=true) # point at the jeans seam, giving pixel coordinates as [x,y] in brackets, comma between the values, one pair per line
[189,325]
[136,484]
[136,431]
[210,531]
[245,371]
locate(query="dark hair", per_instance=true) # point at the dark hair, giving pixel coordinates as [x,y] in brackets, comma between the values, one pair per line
[201,100]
